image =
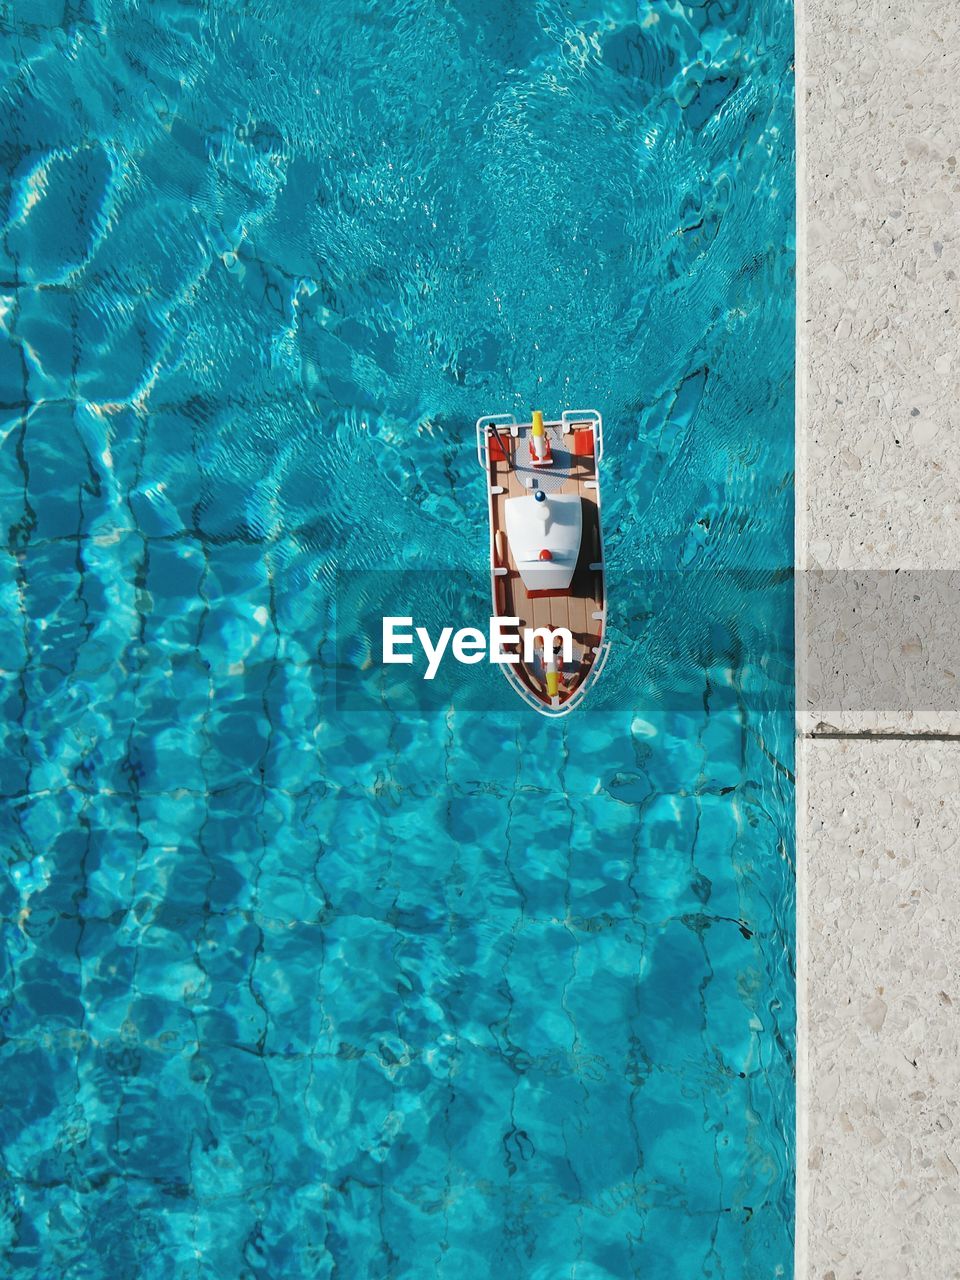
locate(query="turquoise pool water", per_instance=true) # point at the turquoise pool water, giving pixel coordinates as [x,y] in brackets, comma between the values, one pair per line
[303,976]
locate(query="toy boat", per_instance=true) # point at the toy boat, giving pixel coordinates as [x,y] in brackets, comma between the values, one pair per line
[546,549]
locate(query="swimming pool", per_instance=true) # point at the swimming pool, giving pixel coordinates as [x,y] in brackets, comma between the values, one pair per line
[308,977]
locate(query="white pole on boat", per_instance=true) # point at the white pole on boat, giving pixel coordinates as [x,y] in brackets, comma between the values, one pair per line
[538,437]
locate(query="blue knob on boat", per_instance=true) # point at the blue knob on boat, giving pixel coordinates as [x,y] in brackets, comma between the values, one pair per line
[540,496]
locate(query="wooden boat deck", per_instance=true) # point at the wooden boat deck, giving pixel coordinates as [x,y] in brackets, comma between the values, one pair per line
[581,611]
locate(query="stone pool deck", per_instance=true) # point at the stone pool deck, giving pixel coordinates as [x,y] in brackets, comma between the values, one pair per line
[878,618]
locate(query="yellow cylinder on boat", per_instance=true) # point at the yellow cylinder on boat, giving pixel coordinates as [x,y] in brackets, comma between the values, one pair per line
[553,683]
[537,422]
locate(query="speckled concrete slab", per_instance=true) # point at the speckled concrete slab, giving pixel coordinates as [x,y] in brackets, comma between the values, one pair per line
[879,343]
[882,651]
[879,1191]
[878,617]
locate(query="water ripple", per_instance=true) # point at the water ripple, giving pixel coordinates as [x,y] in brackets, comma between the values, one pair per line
[295,989]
